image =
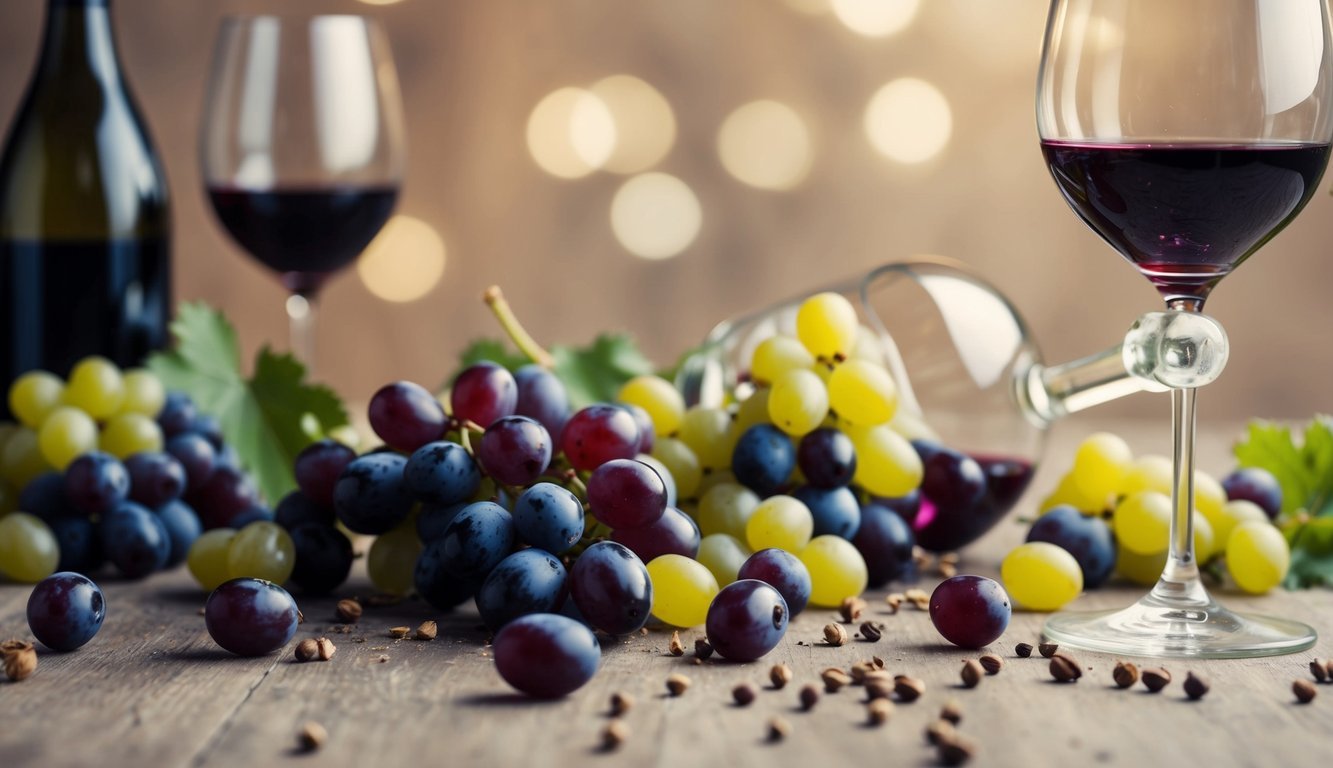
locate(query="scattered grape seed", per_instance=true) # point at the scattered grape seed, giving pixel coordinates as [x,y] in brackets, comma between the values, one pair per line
[1304,690]
[1319,668]
[894,601]
[614,734]
[778,729]
[951,712]
[20,659]
[702,648]
[834,679]
[1125,674]
[676,647]
[878,711]
[307,650]
[972,673]
[851,608]
[428,630]
[809,697]
[834,634]
[621,703]
[1023,650]
[991,663]
[871,631]
[1047,650]
[955,749]
[312,736]
[1155,679]
[939,731]
[780,675]
[908,689]
[743,694]
[677,684]
[1196,687]
[324,649]
[1065,669]
[348,611]
[398,633]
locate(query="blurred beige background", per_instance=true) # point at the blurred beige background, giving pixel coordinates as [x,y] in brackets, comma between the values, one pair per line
[474,72]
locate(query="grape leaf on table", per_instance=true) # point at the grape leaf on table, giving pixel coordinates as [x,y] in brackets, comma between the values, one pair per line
[591,374]
[263,417]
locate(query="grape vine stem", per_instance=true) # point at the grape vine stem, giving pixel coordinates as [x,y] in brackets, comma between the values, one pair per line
[495,299]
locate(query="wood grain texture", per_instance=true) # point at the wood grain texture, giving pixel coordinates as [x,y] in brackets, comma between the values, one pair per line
[153,690]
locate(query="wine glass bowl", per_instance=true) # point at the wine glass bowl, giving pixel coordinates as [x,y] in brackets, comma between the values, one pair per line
[1186,134]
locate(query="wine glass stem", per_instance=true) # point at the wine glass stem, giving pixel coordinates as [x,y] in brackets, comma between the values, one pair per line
[1180,577]
[301,315]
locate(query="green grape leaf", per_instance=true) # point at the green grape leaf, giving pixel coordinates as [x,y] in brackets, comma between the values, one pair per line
[266,417]
[596,373]
[1311,553]
[1304,470]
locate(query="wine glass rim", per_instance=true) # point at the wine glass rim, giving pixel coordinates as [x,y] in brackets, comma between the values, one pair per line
[293,16]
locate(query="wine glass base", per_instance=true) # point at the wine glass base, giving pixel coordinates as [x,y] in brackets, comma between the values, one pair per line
[1157,627]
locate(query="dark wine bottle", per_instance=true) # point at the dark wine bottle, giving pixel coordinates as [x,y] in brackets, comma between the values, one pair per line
[85,262]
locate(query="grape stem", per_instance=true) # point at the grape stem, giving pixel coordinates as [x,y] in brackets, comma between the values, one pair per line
[465,429]
[520,336]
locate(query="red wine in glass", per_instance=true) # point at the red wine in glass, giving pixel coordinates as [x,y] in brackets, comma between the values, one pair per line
[305,234]
[1186,214]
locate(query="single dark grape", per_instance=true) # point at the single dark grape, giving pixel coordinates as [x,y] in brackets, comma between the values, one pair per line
[46,497]
[255,513]
[406,415]
[763,459]
[1087,537]
[667,479]
[610,585]
[251,617]
[907,506]
[318,467]
[647,432]
[515,450]
[526,582]
[196,455]
[207,425]
[835,510]
[442,473]
[746,620]
[827,458]
[80,543]
[371,496]
[96,482]
[436,577]
[546,655]
[1257,485]
[155,478]
[433,519]
[478,538]
[65,610]
[970,611]
[542,396]
[674,533]
[624,493]
[135,541]
[598,434]
[182,526]
[951,480]
[227,493]
[178,414]
[885,540]
[549,517]
[323,557]
[782,571]
[483,393]
[296,509]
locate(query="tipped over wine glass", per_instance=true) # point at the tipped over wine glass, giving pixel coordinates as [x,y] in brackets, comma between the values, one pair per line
[1186,134]
[302,147]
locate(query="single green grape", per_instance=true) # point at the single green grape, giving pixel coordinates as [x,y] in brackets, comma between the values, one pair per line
[714,478]
[682,590]
[659,398]
[95,387]
[207,558]
[726,508]
[862,393]
[779,521]
[144,393]
[1100,464]
[711,434]
[262,550]
[1209,497]
[1143,570]
[776,355]
[1205,541]
[33,395]
[753,410]
[1068,492]
[1233,514]
[1041,576]
[29,551]
[22,459]
[681,462]
[131,433]
[1148,473]
[1142,522]
[837,570]
[1257,556]
[886,464]
[66,434]
[723,555]
[798,402]
[826,324]
[392,560]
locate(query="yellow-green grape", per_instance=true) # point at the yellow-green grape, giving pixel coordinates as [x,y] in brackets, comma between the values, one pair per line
[726,508]
[1142,522]
[207,558]
[22,459]
[826,324]
[862,393]
[66,434]
[837,570]
[659,398]
[776,355]
[1148,473]
[798,402]
[1233,514]
[29,551]
[824,371]
[1257,556]
[33,395]
[913,426]
[95,387]
[1205,543]
[714,478]
[262,550]
[1100,464]
[723,556]
[131,433]
[1209,497]
[682,590]
[1068,492]
[681,462]
[753,410]
[886,464]
[711,434]
[867,347]
[392,560]
[144,393]
[783,522]
[1141,569]
[1041,576]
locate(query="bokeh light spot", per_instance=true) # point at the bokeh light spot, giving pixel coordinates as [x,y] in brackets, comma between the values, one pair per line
[405,262]
[908,121]
[645,127]
[875,18]
[765,144]
[655,215]
[571,133]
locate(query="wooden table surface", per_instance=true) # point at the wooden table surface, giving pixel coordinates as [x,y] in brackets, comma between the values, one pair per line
[153,690]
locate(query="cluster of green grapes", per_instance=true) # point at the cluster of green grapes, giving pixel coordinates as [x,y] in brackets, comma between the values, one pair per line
[1112,512]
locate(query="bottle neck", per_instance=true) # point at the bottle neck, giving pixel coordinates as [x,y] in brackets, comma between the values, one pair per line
[79,39]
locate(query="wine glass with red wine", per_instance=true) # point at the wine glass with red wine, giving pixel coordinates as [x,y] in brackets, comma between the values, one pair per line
[1187,133]
[302,147]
